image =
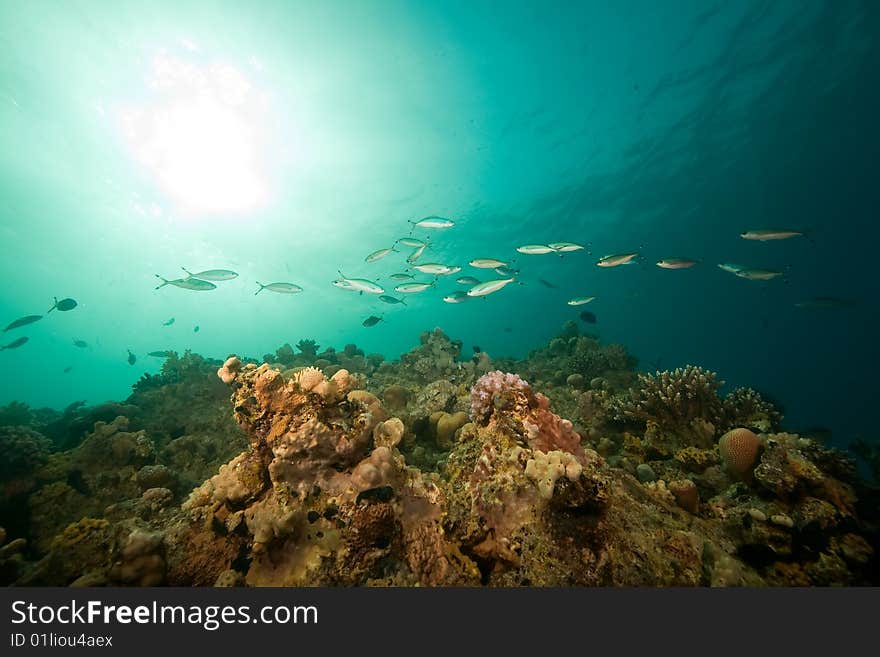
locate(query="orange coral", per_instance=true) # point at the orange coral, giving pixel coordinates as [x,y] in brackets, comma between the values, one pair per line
[739,450]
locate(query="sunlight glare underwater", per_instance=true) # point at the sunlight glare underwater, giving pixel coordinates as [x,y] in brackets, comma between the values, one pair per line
[199,131]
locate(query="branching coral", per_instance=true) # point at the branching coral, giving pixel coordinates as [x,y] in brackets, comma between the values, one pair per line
[745,407]
[673,399]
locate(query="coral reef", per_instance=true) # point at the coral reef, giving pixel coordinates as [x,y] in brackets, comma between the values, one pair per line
[340,468]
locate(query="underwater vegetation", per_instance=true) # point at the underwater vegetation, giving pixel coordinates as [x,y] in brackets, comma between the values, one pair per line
[326,467]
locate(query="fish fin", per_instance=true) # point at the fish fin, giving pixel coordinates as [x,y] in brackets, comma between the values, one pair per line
[54,306]
[403,302]
[261,288]
[361,293]
[188,272]
[164,283]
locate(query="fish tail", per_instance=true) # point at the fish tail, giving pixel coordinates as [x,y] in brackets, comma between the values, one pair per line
[261,288]
[164,282]
[189,273]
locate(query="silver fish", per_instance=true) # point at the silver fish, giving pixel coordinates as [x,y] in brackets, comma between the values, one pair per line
[433,222]
[467,280]
[535,249]
[391,300]
[437,268]
[676,263]
[360,285]
[730,267]
[196,284]
[488,287]
[758,274]
[378,255]
[412,242]
[565,247]
[283,288]
[456,297]
[767,234]
[617,259]
[580,301]
[401,277]
[415,255]
[412,288]
[213,274]
[505,271]
[487,263]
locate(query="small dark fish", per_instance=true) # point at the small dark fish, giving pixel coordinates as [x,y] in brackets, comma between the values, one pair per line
[67,369]
[168,322]
[372,320]
[507,329]
[15,344]
[160,354]
[389,299]
[63,305]
[587,316]
[23,321]
[477,349]
[547,284]
[131,358]
[82,344]
[196,329]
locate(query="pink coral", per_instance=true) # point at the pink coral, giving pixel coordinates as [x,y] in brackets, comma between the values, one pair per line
[488,387]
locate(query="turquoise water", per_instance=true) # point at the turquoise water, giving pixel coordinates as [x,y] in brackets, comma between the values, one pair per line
[289,141]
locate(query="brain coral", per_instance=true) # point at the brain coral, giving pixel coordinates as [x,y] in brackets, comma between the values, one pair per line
[739,450]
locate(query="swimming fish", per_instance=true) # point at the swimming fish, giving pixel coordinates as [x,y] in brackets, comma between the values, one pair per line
[415,255]
[23,321]
[372,320]
[160,354]
[283,288]
[433,222]
[401,277]
[506,271]
[131,358]
[476,349]
[195,329]
[213,274]
[392,300]
[412,242]
[456,297]
[467,280]
[343,284]
[824,303]
[412,288]
[196,284]
[615,260]
[82,344]
[548,284]
[676,263]
[580,301]
[436,268]
[535,249]
[168,322]
[359,285]
[565,247]
[588,317]
[63,305]
[758,274]
[378,255]
[15,344]
[731,268]
[487,263]
[766,234]
[488,287]
[68,368]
